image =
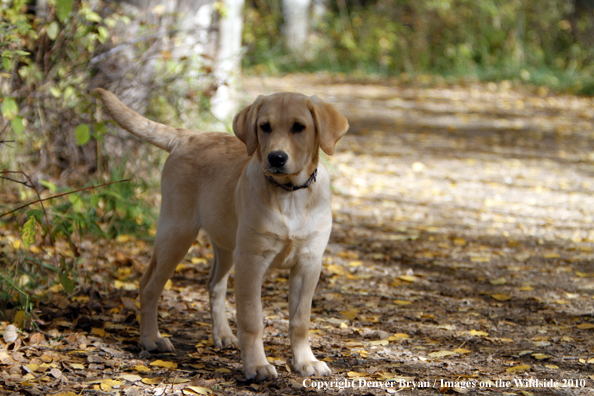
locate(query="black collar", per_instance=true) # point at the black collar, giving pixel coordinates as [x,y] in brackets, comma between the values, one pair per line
[289,187]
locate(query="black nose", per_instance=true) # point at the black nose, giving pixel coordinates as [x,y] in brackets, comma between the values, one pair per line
[278,159]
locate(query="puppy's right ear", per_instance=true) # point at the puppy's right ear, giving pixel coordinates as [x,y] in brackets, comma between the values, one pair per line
[244,125]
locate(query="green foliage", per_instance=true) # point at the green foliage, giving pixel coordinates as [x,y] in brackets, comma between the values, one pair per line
[544,42]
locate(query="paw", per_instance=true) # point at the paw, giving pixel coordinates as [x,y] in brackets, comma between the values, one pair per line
[224,340]
[158,344]
[260,373]
[313,368]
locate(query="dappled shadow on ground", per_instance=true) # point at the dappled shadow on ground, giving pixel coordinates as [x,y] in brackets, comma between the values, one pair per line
[462,250]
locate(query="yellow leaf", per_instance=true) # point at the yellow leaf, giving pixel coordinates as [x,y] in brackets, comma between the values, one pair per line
[177,380]
[379,342]
[163,364]
[498,281]
[551,255]
[567,339]
[408,278]
[65,394]
[398,336]
[583,274]
[123,238]
[19,319]
[152,381]
[168,284]
[459,241]
[336,269]
[77,366]
[462,351]
[124,285]
[526,288]
[586,326]
[402,302]
[142,369]
[198,390]
[479,259]
[501,297]
[31,367]
[552,366]
[351,314]
[355,263]
[356,374]
[198,260]
[99,332]
[515,369]
[539,356]
[222,370]
[131,377]
[440,354]
[478,333]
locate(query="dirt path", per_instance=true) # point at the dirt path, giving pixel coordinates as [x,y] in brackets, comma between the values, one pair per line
[461,261]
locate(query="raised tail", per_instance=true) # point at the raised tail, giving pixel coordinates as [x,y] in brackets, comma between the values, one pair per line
[162,136]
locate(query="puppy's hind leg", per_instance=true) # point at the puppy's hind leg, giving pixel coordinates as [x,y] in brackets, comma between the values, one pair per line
[222,335]
[171,245]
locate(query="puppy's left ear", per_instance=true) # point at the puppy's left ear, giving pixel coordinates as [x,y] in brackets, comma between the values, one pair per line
[330,124]
[244,125]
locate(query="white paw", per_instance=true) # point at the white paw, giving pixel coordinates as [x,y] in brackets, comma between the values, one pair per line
[260,373]
[313,368]
[224,340]
[158,344]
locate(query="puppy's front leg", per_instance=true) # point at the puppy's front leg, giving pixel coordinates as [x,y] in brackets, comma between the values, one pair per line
[249,273]
[302,283]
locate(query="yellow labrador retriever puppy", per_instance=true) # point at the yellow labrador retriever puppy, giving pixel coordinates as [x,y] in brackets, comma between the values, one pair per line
[263,199]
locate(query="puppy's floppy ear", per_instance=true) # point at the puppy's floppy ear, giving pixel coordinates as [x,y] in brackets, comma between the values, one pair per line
[330,124]
[244,125]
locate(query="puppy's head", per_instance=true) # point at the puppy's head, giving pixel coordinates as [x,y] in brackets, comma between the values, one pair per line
[287,129]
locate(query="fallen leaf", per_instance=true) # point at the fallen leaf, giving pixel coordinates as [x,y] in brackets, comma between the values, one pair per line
[351,314]
[515,369]
[408,278]
[440,354]
[130,377]
[198,390]
[356,374]
[398,336]
[462,350]
[164,364]
[10,334]
[586,326]
[501,297]
[379,342]
[498,281]
[152,381]
[478,333]
[540,356]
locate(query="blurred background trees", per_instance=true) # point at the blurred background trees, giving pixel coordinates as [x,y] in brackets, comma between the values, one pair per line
[545,42]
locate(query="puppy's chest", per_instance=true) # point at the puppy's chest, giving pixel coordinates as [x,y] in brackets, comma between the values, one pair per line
[294,234]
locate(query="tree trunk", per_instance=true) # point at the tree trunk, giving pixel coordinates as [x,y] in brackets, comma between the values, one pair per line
[228,66]
[296,13]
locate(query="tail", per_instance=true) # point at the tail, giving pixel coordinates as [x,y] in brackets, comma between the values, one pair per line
[162,136]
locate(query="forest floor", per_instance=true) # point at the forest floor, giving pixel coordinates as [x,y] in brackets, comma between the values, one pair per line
[461,261]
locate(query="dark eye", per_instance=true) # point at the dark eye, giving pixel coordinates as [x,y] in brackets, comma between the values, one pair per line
[266,127]
[298,127]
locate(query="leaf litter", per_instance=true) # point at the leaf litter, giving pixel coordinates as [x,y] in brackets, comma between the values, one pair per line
[463,247]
